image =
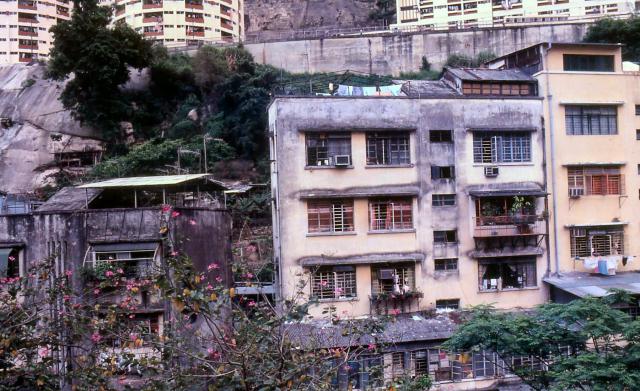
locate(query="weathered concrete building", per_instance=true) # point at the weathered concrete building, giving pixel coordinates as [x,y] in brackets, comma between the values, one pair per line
[430,200]
[120,224]
[592,112]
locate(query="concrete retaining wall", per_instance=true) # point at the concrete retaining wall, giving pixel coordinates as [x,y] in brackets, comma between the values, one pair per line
[395,53]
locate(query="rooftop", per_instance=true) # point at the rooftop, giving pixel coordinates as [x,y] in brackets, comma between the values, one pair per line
[586,284]
[150,181]
[485,74]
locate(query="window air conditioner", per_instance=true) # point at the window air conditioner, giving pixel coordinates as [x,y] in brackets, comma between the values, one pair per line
[576,192]
[386,274]
[342,160]
[491,171]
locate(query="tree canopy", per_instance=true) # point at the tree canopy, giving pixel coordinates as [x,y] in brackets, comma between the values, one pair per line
[624,31]
[583,345]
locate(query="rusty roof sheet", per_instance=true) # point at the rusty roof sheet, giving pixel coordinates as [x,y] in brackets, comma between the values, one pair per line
[69,198]
[486,74]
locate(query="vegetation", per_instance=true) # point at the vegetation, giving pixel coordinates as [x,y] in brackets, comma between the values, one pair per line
[425,72]
[624,31]
[385,11]
[464,61]
[584,345]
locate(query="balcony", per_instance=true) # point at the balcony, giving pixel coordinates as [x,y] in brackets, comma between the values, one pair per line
[226,25]
[152,19]
[153,33]
[195,33]
[27,5]
[445,250]
[22,19]
[194,19]
[26,33]
[395,303]
[225,13]
[193,5]
[28,46]
[227,1]
[154,4]
[509,225]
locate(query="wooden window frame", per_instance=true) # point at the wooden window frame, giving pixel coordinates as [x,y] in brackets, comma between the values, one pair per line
[330,216]
[392,214]
[334,283]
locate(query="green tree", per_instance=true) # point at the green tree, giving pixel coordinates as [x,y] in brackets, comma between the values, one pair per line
[624,31]
[584,345]
[96,59]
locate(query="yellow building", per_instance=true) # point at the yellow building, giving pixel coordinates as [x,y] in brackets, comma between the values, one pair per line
[183,22]
[24,28]
[444,14]
[592,117]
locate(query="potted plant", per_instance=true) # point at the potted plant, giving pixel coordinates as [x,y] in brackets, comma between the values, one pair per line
[522,210]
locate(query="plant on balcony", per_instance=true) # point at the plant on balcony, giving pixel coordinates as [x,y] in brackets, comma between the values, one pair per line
[522,210]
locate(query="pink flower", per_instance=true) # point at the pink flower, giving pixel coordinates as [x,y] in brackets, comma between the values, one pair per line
[175,214]
[96,291]
[68,273]
[213,354]
[96,337]
[192,222]
[249,275]
[133,337]
[12,258]
[108,273]
[395,312]
[209,287]
[43,351]
[251,303]
[219,279]
[173,253]
[66,297]
[213,266]
[166,208]
[120,271]
[323,283]
[371,346]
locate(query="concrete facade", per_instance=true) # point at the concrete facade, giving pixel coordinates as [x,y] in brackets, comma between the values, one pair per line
[24,28]
[466,14]
[180,23]
[393,53]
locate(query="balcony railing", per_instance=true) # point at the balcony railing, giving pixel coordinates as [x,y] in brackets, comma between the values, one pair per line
[28,33]
[509,225]
[197,6]
[32,47]
[226,25]
[27,20]
[152,19]
[153,33]
[27,6]
[395,303]
[194,20]
[152,5]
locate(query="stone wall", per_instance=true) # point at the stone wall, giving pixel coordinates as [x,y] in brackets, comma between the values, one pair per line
[402,52]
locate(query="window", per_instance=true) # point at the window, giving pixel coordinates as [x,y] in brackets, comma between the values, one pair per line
[330,215]
[441,136]
[637,109]
[506,274]
[443,172]
[504,147]
[444,237]
[443,200]
[323,148]
[147,325]
[514,89]
[483,364]
[397,364]
[447,304]
[446,265]
[581,62]
[396,279]
[338,282]
[595,181]
[591,120]
[596,241]
[390,214]
[388,149]
[637,134]
[9,262]
[135,259]
[363,373]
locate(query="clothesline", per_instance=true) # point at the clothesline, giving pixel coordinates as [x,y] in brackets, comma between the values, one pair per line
[390,90]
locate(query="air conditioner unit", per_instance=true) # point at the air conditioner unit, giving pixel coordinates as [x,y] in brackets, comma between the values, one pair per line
[386,274]
[576,192]
[491,171]
[342,160]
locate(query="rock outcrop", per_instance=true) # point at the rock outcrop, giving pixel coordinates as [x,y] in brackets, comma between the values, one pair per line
[35,129]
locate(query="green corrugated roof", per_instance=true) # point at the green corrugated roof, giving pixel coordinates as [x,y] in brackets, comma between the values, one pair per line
[145,181]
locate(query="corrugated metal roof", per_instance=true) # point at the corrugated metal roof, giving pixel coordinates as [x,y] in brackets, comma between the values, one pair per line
[427,88]
[610,224]
[69,198]
[145,181]
[585,284]
[486,74]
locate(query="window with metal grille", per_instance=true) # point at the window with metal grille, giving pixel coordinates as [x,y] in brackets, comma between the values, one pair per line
[397,364]
[584,62]
[443,172]
[507,274]
[503,147]
[338,282]
[591,120]
[390,214]
[388,148]
[448,304]
[322,148]
[483,364]
[446,265]
[9,262]
[596,180]
[330,215]
[441,136]
[513,89]
[443,237]
[137,260]
[596,241]
[393,279]
[443,200]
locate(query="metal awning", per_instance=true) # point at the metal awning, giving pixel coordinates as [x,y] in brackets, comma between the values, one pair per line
[361,192]
[595,164]
[507,193]
[520,252]
[322,260]
[498,129]
[150,181]
[593,103]
[585,284]
[595,225]
[131,246]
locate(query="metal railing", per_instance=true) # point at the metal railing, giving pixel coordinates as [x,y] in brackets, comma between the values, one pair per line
[509,225]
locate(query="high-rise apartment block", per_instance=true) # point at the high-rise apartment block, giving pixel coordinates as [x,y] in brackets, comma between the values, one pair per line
[444,14]
[24,28]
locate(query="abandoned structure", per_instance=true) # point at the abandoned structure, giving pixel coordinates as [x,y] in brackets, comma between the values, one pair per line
[592,112]
[122,223]
[428,201]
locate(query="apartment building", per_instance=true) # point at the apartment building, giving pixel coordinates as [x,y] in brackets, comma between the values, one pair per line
[183,22]
[444,14]
[24,28]
[592,116]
